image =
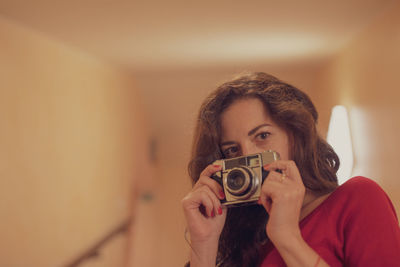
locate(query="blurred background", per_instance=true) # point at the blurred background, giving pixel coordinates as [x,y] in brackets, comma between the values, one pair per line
[98,101]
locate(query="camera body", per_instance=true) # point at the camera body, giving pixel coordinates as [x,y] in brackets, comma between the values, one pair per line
[241,178]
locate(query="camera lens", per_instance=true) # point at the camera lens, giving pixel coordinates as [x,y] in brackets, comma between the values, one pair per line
[239,181]
[236,180]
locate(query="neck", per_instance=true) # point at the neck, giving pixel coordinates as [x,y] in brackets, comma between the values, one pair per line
[311,201]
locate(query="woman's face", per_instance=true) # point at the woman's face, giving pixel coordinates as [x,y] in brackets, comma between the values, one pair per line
[247,128]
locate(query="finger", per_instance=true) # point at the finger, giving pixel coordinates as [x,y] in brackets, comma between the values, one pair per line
[271,189]
[217,207]
[289,168]
[276,176]
[198,199]
[206,180]
[266,203]
[212,184]
[210,170]
[213,205]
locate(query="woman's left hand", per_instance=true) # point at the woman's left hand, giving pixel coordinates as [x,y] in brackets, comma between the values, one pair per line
[282,195]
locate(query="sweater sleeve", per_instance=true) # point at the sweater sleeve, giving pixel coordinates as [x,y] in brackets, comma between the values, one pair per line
[371,227]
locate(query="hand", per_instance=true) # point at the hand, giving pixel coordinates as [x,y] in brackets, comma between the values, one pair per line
[204,213]
[282,196]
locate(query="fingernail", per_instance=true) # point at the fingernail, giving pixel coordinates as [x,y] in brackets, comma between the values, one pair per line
[219,211]
[221,194]
[212,214]
[216,166]
[266,166]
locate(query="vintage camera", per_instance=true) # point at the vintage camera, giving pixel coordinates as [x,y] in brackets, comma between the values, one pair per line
[241,178]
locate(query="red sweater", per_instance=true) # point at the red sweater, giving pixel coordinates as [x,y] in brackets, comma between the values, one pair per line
[355,226]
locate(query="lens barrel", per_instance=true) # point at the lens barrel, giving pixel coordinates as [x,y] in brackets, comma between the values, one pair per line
[239,181]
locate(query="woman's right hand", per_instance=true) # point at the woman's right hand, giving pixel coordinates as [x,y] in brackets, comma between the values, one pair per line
[205,216]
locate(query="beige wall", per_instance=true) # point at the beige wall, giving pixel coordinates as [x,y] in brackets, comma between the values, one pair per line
[73,138]
[365,77]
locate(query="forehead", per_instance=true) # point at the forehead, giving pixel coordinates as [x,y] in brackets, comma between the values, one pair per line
[242,116]
[253,105]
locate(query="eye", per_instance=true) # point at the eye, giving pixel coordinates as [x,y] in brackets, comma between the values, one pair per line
[231,152]
[262,136]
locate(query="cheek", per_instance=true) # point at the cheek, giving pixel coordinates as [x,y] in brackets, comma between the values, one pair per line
[284,150]
[285,154]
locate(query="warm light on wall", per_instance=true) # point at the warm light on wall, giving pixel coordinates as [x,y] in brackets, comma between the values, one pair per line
[339,137]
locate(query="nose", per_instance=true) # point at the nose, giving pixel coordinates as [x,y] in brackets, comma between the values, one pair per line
[249,148]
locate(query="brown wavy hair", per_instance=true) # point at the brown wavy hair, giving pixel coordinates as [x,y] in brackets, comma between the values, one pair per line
[244,234]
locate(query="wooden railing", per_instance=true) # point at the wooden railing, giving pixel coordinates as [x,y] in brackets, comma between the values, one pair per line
[94,251]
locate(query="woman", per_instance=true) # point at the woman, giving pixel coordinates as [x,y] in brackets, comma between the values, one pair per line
[303,217]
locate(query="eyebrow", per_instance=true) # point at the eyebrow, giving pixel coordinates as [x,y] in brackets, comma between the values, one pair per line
[257,128]
[251,132]
[227,143]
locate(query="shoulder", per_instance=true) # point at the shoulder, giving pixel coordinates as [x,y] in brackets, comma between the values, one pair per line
[368,222]
[360,182]
[361,195]
[361,187]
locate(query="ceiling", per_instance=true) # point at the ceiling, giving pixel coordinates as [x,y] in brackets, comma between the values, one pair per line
[156,34]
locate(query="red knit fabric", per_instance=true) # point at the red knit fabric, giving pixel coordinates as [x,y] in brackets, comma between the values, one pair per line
[355,226]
